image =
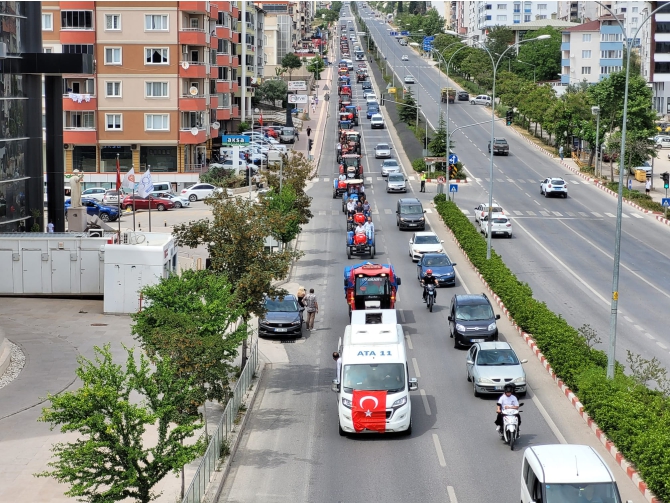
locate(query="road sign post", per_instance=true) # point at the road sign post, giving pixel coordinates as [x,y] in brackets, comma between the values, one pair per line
[453,188]
[453,159]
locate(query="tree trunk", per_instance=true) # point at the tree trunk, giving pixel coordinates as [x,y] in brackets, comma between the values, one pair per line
[611,168]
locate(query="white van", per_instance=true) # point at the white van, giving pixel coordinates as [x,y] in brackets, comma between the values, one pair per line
[565,472]
[373,358]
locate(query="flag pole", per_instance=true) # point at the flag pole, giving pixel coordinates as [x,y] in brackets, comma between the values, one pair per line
[118,193]
[149,170]
[133,207]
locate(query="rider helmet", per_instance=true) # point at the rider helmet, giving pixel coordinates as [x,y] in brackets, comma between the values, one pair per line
[429,271]
[509,388]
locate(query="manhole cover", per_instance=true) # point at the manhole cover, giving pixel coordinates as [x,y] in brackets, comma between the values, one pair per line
[98,324]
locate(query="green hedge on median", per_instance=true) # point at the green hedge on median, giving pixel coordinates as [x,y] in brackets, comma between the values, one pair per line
[634,417]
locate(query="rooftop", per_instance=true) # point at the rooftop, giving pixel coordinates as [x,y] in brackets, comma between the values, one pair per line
[540,23]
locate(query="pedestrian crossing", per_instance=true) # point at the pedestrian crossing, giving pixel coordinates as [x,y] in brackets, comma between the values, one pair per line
[558,214]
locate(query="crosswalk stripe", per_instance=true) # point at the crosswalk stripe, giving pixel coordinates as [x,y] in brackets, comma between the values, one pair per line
[478,180]
[486,180]
[517,212]
[557,213]
[610,215]
[335,212]
[521,180]
[465,212]
[322,212]
[375,212]
[544,213]
[586,182]
[532,181]
[576,182]
[583,214]
[624,215]
[412,178]
[499,180]
[325,179]
[636,215]
[596,214]
[428,210]
[368,179]
[532,213]
[388,211]
[379,179]
[510,180]
[570,214]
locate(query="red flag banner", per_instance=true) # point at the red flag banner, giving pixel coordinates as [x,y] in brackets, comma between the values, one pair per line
[260,120]
[369,410]
[118,175]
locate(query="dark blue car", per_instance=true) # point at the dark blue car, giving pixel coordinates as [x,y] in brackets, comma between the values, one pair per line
[93,207]
[441,265]
[372,111]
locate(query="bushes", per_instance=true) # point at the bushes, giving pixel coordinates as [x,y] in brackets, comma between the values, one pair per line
[419,165]
[634,417]
[637,197]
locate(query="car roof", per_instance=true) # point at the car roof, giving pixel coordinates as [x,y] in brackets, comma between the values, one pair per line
[570,464]
[391,161]
[376,116]
[471,299]
[426,233]
[493,345]
[556,178]
[383,145]
[408,200]
[288,296]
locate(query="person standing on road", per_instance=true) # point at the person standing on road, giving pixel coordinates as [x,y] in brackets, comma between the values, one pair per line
[560,152]
[423,182]
[50,227]
[309,131]
[338,364]
[316,100]
[647,186]
[312,307]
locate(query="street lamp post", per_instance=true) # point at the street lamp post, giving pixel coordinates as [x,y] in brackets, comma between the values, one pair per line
[596,111]
[529,64]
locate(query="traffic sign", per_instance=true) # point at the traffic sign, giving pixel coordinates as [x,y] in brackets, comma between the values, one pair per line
[297,98]
[665,202]
[404,33]
[392,90]
[453,159]
[326,88]
[234,139]
[393,33]
[453,187]
[630,184]
[297,85]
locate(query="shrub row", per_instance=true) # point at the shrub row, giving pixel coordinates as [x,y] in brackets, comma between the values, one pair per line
[634,417]
[637,197]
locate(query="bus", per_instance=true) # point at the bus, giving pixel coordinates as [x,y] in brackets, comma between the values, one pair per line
[360,56]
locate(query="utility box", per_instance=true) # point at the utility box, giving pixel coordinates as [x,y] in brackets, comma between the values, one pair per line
[641,175]
[77,219]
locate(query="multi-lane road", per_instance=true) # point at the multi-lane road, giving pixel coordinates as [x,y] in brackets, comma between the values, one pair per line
[291,449]
[563,248]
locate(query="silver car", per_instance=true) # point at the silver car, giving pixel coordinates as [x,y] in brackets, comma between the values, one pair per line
[382,151]
[396,182]
[390,166]
[492,365]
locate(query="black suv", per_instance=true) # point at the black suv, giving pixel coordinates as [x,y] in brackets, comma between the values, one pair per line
[410,214]
[471,319]
[463,96]
[366,85]
[283,317]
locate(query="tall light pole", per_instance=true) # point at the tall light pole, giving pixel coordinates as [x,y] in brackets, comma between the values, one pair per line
[611,353]
[596,111]
[493,122]
[529,64]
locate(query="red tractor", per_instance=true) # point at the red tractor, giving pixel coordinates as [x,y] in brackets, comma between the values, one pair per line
[370,286]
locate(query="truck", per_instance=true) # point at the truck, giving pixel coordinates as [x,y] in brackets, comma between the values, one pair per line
[500,146]
[373,382]
[370,286]
[448,93]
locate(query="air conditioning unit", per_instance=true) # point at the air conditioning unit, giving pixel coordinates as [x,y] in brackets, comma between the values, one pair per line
[67,146]
[133,146]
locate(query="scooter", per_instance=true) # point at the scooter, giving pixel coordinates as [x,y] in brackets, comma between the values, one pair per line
[510,429]
[430,297]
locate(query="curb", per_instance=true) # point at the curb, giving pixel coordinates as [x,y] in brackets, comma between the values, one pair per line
[607,443]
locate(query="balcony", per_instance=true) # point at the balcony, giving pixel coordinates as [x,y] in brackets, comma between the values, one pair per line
[186,137]
[236,112]
[213,10]
[223,32]
[213,72]
[213,102]
[223,114]
[224,59]
[224,86]
[192,36]
[79,102]
[80,135]
[195,70]
[565,46]
[189,103]
[565,62]
[195,7]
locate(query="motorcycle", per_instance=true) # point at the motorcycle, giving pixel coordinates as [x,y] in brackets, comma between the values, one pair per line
[430,296]
[510,429]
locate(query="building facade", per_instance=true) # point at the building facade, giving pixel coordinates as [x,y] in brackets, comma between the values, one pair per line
[477,17]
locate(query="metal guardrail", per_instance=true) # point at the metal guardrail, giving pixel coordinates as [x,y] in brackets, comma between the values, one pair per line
[196,490]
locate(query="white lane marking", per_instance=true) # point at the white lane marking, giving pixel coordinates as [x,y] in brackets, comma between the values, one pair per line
[388,211]
[368,179]
[416,368]
[478,180]
[636,215]
[412,178]
[452,494]
[322,212]
[465,212]
[460,280]
[544,213]
[627,319]
[375,212]
[535,201]
[499,180]
[639,328]
[596,214]
[531,181]
[335,212]
[624,215]
[424,399]
[438,448]
[557,213]
[318,361]
[649,336]
[517,212]
[570,214]
[428,210]
[611,215]
[549,420]
[379,179]
[402,315]
[661,345]
[586,182]
[521,180]
[532,213]
[510,180]
[326,179]
[409,342]
[583,214]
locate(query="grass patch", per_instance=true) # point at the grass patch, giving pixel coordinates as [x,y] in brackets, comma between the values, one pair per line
[639,198]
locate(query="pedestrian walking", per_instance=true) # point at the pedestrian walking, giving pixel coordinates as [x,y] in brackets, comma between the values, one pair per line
[423,182]
[301,296]
[338,364]
[309,131]
[313,108]
[50,225]
[560,152]
[647,186]
[316,100]
[312,307]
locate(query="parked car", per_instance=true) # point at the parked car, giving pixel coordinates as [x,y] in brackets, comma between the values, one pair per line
[97,193]
[500,226]
[662,142]
[482,99]
[382,151]
[396,182]
[199,191]
[440,264]
[111,197]
[179,201]
[471,319]
[377,122]
[93,207]
[142,203]
[554,187]
[492,365]
[283,317]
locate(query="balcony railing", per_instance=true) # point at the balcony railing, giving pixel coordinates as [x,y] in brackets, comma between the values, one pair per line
[74,128]
[198,30]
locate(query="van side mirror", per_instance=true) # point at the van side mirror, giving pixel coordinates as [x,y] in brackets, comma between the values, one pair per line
[424,211]
[453,264]
[525,360]
[469,362]
[398,280]
[335,386]
[413,384]
[497,316]
[450,318]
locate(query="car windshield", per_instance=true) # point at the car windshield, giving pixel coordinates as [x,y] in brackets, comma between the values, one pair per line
[494,209]
[281,306]
[474,312]
[499,220]
[388,377]
[382,146]
[440,261]
[396,178]
[558,182]
[390,162]
[569,493]
[287,131]
[504,142]
[373,285]
[410,209]
[426,240]
[497,357]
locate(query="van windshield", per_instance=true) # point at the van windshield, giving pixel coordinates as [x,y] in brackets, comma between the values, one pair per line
[569,493]
[388,377]
[410,209]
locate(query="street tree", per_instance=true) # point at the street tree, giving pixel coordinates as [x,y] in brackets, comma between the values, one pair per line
[316,66]
[328,15]
[417,8]
[272,90]
[499,39]
[110,461]
[235,241]
[192,320]
[283,204]
[432,23]
[407,111]
[295,171]
[438,143]
[545,55]
[291,62]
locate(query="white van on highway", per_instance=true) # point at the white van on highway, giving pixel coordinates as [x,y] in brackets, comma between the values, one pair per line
[374,359]
[565,472]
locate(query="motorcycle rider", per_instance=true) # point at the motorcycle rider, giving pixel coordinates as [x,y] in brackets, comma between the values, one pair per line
[427,280]
[506,401]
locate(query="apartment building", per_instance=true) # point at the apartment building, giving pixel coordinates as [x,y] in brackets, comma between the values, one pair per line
[581,11]
[660,56]
[164,88]
[483,15]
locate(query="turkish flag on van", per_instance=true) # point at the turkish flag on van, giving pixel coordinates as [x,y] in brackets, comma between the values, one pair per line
[369,410]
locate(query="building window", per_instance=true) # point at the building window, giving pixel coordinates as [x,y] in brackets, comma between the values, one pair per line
[541,16]
[605,70]
[113,89]
[84,158]
[586,54]
[113,122]
[633,20]
[586,37]
[48,21]
[47,50]
[662,47]
[611,54]
[586,70]
[526,18]
[517,7]
[157,122]
[82,120]
[77,49]
[112,55]
[502,6]
[156,22]
[156,89]
[156,56]
[542,6]
[501,18]
[623,9]
[634,10]
[223,46]
[160,158]
[192,119]
[76,20]
[611,37]
[112,22]
[517,19]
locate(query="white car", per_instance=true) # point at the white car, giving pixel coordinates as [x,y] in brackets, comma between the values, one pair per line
[377,122]
[111,198]
[369,92]
[482,211]
[554,187]
[382,151]
[179,201]
[198,191]
[97,193]
[409,79]
[500,226]
[482,99]
[405,57]
[424,242]
[396,182]
[390,166]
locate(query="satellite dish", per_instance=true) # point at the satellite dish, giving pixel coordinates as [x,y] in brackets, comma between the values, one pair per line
[194,131]
[216,125]
[185,65]
[193,90]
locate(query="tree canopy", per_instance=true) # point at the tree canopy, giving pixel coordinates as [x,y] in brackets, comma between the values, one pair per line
[272,90]
[545,55]
[291,62]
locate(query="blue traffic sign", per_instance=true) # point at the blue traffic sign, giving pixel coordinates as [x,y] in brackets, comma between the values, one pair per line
[404,33]
[393,33]
[453,159]
[234,139]
[630,184]
[453,187]
[665,202]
